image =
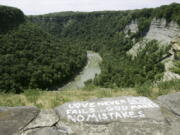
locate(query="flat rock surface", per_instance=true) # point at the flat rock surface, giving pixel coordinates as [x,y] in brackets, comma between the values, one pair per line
[122,109]
[44,131]
[13,119]
[113,116]
[46,118]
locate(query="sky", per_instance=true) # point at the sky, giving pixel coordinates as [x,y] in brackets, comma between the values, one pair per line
[34,7]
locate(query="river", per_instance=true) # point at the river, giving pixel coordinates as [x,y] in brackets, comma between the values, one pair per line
[89,72]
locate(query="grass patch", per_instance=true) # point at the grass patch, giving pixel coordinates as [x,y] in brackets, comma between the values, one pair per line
[51,99]
[32,95]
[166,87]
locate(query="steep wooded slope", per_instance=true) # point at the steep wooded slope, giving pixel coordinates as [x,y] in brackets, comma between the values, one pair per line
[32,58]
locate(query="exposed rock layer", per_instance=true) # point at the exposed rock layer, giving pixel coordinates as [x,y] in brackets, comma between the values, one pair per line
[163,31]
[169,62]
[159,30]
[132,27]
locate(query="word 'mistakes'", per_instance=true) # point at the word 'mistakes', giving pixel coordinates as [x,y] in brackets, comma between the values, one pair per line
[109,110]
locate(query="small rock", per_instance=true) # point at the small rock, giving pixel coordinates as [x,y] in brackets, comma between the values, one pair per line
[63,128]
[44,131]
[13,119]
[171,101]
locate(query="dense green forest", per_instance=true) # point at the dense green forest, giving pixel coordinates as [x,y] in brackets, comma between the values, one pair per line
[48,50]
[120,70]
[10,18]
[32,58]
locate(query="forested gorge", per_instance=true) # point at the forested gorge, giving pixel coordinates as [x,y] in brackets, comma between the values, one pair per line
[48,50]
[104,32]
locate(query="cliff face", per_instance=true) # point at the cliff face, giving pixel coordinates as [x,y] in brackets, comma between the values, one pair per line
[132,27]
[163,31]
[169,62]
[159,30]
[166,33]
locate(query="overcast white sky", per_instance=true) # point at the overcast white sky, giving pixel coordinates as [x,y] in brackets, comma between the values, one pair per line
[47,6]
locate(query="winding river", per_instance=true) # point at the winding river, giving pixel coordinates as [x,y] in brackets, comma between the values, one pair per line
[89,72]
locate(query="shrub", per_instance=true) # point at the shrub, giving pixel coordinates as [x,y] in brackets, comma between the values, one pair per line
[144,90]
[165,87]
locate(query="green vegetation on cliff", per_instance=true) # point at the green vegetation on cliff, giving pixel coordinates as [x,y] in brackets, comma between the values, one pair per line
[120,70]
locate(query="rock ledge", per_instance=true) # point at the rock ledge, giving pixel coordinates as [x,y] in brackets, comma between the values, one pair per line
[106,116]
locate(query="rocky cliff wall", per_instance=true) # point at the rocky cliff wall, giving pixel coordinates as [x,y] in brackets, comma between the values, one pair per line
[132,27]
[169,62]
[159,30]
[163,31]
[107,116]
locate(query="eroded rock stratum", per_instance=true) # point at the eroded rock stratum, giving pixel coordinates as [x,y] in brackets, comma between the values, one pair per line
[107,116]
